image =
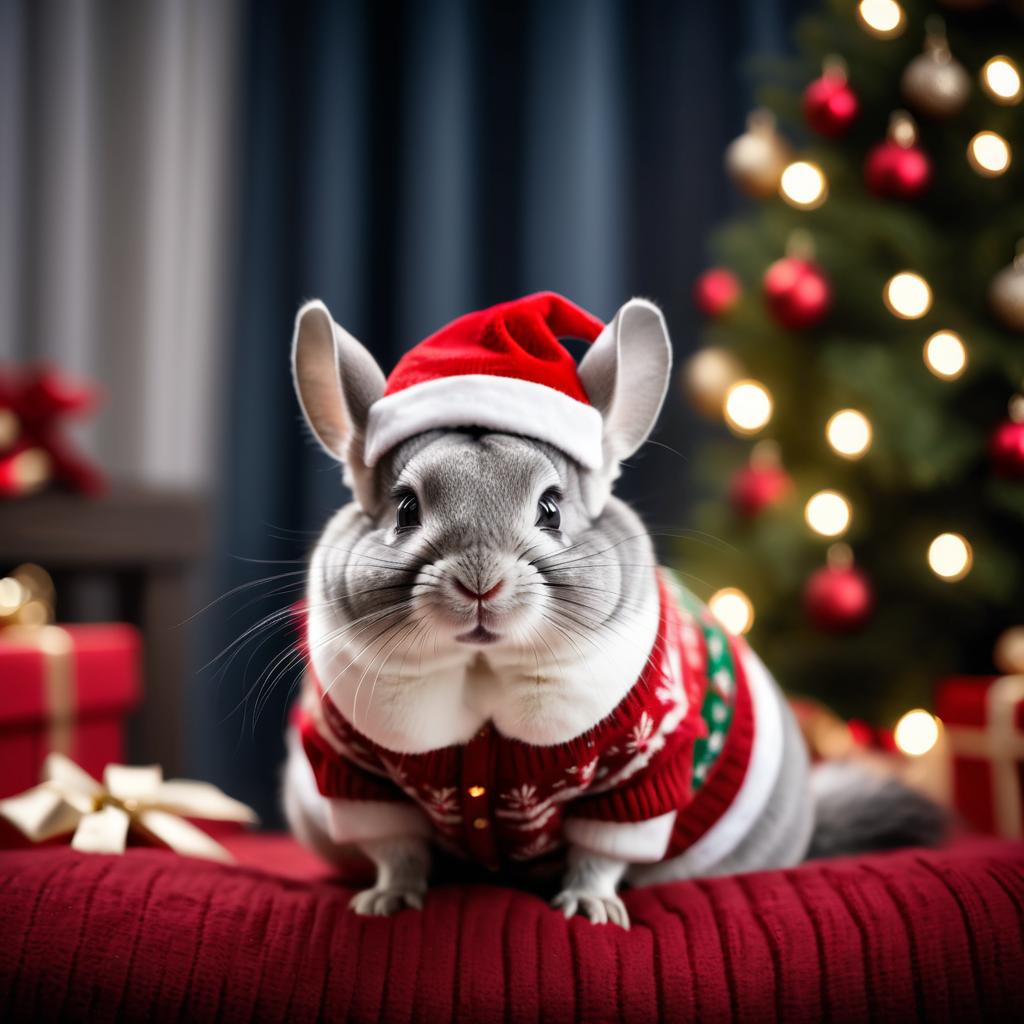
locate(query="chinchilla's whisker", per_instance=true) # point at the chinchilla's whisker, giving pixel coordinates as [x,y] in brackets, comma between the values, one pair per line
[689,533]
[590,623]
[248,585]
[408,628]
[272,621]
[633,604]
[602,625]
[602,565]
[404,636]
[381,635]
[279,668]
[375,617]
[588,554]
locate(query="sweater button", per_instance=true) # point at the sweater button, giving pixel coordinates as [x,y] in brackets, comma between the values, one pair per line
[480,823]
[476,791]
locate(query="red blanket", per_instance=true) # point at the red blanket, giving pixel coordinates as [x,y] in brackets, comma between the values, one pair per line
[914,935]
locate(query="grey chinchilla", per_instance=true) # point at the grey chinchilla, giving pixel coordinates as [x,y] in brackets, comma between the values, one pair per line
[416,661]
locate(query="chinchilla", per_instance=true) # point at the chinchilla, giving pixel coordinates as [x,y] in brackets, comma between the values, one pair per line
[486,587]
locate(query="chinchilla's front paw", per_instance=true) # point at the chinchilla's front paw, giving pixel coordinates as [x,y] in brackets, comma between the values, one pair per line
[601,908]
[381,901]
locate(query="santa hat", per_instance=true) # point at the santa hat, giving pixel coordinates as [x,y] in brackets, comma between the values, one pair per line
[501,369]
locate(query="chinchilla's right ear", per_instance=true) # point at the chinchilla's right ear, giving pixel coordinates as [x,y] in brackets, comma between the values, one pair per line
[337,380]
[625,374]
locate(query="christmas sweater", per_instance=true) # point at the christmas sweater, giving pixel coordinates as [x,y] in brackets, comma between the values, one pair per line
[643,784]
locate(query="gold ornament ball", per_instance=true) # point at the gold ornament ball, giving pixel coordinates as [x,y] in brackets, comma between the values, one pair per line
[1009,651]
[755,161]
[936,84]
[707,376]
[1006,295]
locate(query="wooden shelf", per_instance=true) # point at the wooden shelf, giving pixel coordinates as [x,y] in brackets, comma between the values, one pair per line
[143,545]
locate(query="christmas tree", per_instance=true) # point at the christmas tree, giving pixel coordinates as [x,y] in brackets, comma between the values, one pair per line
[865,340]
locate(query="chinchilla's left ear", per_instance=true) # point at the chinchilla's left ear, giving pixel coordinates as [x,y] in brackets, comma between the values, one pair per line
[337,380]
[625,374]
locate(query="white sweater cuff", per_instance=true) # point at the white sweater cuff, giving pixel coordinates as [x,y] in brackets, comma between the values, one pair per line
[639,842]
[358,821]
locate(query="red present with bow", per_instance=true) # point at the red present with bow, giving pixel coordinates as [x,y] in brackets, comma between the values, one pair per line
[984,726]
[63,689]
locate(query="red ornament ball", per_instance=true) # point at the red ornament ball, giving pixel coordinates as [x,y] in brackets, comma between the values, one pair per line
[830,105]
[797,293]
[755,488]
[893,171]
[1007,449]
[838,598]
[716,291]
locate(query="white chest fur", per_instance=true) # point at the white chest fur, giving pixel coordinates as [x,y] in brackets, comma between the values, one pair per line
[425,696]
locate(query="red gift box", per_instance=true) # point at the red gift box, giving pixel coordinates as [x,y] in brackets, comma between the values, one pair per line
[64,688]
[984,725]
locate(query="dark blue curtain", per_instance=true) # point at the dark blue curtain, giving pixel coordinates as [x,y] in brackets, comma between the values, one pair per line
[407,162]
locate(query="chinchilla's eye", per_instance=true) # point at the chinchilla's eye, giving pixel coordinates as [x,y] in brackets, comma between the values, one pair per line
[549,516]
[407,516]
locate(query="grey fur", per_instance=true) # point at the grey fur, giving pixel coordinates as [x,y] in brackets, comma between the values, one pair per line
[397,644]
[856,810]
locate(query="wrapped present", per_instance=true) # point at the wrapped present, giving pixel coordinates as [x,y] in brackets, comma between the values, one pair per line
[984,729]
[63,689]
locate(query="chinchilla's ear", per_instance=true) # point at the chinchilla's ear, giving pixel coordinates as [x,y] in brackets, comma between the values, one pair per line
[337,380]
[625,374]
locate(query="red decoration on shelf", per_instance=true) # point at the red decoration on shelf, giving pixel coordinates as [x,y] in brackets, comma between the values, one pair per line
[838,597]
[760,484]
[33,450]
[898,168]
[1007,447]
[716,291]
[797,293]
[830,105]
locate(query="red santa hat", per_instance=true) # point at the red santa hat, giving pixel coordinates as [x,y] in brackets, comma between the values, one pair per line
[501,369]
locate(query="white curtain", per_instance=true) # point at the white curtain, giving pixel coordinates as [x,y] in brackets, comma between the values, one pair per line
[116,142]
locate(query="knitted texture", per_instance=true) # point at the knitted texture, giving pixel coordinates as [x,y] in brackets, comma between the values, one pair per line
[496,800]
[911,936]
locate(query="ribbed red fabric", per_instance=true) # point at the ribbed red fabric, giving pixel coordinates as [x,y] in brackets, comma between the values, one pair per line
[910,936]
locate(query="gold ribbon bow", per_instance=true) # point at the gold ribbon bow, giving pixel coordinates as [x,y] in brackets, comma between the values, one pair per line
[71,800]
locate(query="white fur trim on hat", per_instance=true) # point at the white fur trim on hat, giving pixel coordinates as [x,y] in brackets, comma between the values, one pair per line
[505,404]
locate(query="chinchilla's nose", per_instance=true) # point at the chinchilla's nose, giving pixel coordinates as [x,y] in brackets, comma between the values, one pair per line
[477,595]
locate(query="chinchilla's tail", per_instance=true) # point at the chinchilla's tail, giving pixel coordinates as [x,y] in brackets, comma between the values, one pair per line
[857,809]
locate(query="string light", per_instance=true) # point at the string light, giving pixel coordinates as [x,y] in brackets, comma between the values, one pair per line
[950,557]
[803,185]
[945,355]
[1001,80]
[989,154]
[907,295]
[748,406]
[882,18]
[733,610]
[849,433]
[828,513]
[916,732]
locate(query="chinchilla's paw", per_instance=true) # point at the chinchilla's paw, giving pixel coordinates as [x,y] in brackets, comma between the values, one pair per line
[381,902]
[600,908]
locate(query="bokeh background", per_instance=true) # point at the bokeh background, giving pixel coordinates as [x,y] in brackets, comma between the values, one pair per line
[176,176]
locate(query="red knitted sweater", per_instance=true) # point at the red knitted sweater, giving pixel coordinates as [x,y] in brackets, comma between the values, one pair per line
[678,743]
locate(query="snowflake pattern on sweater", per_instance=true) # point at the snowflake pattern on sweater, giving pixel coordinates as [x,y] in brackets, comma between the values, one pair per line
[498,800]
